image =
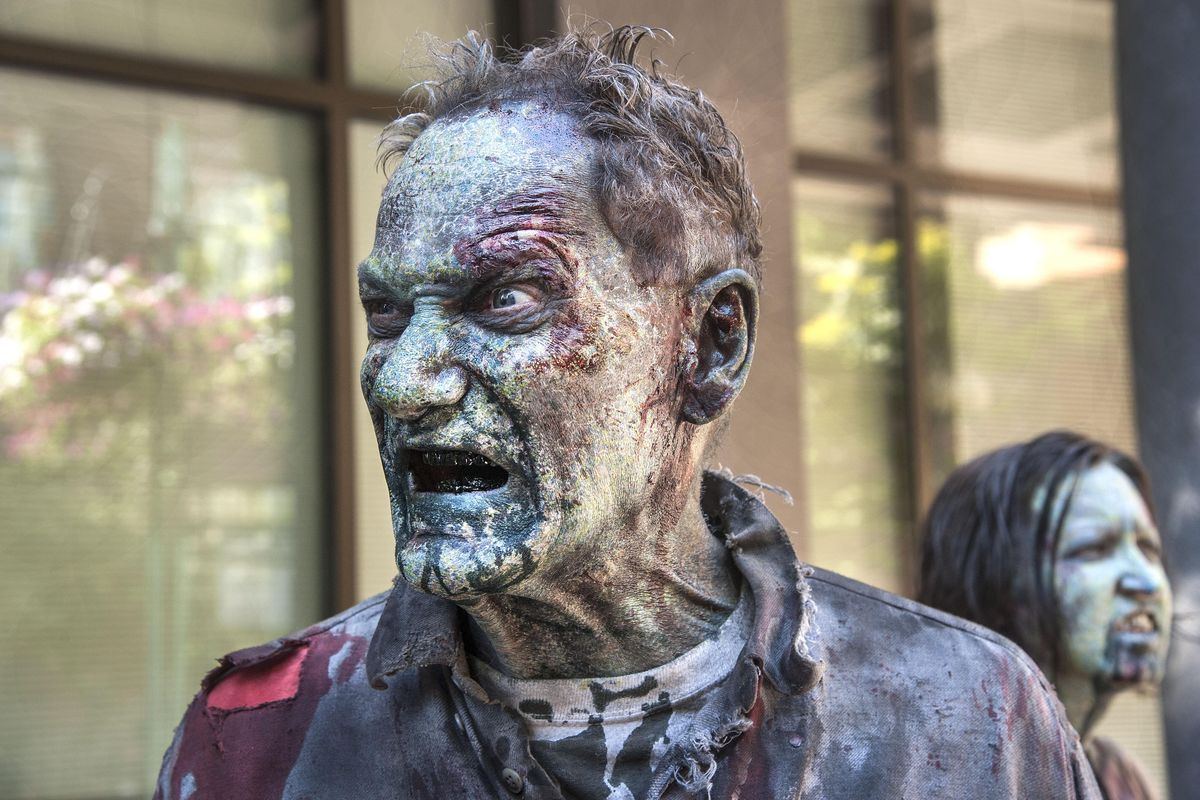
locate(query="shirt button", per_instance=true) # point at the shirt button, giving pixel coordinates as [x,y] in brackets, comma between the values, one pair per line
[512,780]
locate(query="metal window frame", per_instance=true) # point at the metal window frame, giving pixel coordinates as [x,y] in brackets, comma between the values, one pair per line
[333,102]
[908,177]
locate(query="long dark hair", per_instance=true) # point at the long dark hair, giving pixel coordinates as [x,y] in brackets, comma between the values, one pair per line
[984,542]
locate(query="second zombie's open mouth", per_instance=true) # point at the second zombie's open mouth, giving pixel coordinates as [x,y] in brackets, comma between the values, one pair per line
[453,472]
[1139,622]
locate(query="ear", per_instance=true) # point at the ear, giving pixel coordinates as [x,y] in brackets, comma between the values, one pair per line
[724,311]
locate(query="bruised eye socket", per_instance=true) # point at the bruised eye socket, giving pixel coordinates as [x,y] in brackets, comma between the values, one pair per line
[385,318]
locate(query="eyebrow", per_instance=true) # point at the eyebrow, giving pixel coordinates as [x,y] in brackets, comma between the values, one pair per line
[539,217]
[369,284]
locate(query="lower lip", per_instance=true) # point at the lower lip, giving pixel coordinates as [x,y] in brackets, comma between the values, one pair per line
[466,515]
[1136,639]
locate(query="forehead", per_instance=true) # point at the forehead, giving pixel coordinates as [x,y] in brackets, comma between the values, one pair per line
[463,166]
[1104,489]
[1105,498]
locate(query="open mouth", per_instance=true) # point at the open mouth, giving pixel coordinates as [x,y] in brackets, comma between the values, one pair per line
[453,472]
[1137,622]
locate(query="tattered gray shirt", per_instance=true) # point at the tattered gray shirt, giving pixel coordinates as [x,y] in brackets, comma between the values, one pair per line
[841,691]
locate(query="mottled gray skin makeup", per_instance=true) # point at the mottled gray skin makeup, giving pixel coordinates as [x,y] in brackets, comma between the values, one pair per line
[1112,591]
[505,323]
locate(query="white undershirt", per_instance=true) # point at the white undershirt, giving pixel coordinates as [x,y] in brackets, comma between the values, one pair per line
[627,721]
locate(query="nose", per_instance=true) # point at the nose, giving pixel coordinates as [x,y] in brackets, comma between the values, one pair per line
[418,373]
[1141,583]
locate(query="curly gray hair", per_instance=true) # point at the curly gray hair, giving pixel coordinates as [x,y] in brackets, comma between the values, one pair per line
[670,176]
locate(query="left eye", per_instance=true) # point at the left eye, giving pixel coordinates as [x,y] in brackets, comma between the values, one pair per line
[512,297]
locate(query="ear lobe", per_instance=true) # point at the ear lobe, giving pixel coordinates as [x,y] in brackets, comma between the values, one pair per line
[725,308]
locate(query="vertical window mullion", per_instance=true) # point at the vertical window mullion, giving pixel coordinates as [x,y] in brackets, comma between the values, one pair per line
[904,133]
[340,589]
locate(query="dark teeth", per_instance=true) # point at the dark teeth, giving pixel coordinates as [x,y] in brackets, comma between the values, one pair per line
[453,472]
[453,458]
[1141,622]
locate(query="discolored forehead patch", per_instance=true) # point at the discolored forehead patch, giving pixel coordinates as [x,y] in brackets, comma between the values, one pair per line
[462,167]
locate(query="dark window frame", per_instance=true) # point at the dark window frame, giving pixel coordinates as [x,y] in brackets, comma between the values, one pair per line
[333,103]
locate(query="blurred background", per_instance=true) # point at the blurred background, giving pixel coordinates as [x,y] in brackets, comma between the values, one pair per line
[186,467]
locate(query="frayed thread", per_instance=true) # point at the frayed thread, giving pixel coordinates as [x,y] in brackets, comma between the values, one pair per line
[808,617]
[696,773]
[695,779]
[758,484]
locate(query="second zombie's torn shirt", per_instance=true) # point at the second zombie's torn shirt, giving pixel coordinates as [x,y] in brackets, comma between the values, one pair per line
[602,738]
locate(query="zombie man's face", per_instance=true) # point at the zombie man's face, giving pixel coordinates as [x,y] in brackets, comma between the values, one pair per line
[522,386]
[1113,594]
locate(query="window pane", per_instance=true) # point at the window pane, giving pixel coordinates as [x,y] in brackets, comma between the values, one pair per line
[1017,87]
[277,36]
[1025,308]
[386,46]
[158,379]
[374,545]
[852,381]
[838,54]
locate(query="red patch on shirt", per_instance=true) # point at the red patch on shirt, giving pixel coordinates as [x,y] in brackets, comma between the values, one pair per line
[258,684]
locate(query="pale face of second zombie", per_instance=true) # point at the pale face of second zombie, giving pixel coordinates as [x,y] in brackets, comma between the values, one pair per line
[522,385]
[1112,591]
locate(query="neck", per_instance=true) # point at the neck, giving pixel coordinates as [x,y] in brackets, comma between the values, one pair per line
[632,609]
[1084,703]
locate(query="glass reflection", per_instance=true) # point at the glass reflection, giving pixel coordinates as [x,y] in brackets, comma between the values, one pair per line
[388,49]
[157,359]
[1026,319]
[1016,87]
[852,381]
[838,57]
[277,36]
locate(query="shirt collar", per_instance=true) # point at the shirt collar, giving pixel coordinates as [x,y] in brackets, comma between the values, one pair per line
[418,630]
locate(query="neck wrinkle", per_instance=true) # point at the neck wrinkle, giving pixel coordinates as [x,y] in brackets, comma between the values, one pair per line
[622,616]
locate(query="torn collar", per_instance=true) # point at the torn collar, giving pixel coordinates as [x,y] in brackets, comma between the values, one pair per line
[416,629]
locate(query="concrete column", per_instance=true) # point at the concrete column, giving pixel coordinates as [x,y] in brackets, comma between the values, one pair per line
[1158,46]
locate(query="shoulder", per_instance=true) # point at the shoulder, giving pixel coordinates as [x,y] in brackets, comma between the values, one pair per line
[266,693]
[934,698]
[857,615]
[269,672]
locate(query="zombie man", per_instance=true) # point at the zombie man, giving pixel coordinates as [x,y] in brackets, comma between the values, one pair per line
[1052,543]
[562,301]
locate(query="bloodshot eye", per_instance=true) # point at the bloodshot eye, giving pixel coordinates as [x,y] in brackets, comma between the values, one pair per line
[512,298]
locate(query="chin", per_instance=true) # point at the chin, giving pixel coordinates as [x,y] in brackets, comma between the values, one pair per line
[1134,660]
[460,568]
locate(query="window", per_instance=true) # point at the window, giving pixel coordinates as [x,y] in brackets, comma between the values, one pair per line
[959,268]
[181,202]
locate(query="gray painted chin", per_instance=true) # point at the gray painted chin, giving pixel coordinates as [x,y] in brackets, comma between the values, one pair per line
[1135,658]
[470,543]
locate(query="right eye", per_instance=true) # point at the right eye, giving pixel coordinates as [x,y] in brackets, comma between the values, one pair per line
[1093,550]
[385,318]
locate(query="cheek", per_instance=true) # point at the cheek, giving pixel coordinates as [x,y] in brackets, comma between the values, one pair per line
[1085,600]
[371,364]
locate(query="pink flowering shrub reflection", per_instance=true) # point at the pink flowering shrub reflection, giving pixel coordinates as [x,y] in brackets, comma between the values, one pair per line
[103,354]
